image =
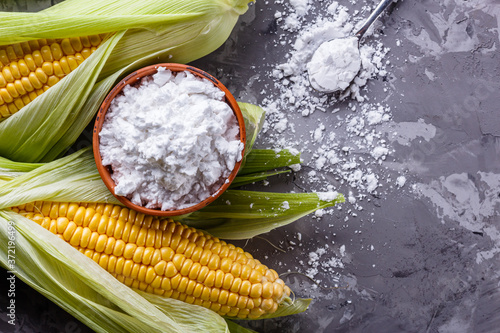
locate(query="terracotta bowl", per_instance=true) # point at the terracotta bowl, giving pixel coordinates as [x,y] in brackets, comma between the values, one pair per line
[106,171]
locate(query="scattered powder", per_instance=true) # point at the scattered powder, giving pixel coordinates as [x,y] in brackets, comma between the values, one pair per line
[371,182]
[327,196]
[301,6]
[317,262]
[334,65]
[379,152]
[401,181]
[350,147]
[171,141]
[347,145]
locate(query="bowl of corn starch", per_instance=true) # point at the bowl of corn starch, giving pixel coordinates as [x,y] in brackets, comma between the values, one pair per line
[168,139]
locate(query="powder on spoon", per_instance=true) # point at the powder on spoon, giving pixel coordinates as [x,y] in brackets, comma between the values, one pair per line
[334,64]
[171,140]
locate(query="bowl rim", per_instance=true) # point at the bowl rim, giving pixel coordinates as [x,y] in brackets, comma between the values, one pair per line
[104,171]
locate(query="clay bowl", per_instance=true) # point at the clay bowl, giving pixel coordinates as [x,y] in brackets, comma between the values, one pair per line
[106,171]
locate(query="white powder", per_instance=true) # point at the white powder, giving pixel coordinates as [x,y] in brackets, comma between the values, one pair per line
[285,205]
[372,182]
[171,140]
[317,261]
[327,196]
[344,138]
[379,152]
[334,64]
[401,181]
[301,6]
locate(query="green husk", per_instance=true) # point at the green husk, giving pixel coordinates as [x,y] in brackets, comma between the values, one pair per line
[255,177]
[239,214]
[266,159]
[254,120]
[71,178]
[10,169]
[145,33]
[236,214]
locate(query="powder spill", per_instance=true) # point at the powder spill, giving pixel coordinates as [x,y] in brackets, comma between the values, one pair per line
[352,147]
[347,142]
[171,141]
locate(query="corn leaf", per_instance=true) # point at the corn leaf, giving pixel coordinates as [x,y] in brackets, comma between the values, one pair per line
[236,328]
[266,159]
[71,178]
[88,292]
[239,214]
[254,120]
[255,177]
[10,169]
[169,305]
[50,25]
[146,32]
[12,166]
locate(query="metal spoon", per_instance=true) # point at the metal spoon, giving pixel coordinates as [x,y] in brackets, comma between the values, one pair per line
[349,76]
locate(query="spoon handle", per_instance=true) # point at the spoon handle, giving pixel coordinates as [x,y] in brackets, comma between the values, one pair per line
[373,16]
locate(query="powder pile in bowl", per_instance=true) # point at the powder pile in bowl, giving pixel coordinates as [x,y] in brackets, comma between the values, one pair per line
[171,140]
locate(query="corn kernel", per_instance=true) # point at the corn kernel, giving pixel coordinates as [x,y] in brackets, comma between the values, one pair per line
[210,279]
[204,270]
[175,281]
[76,44]
[186,267]
[68,233]
[183,284]
[67,47]
[101,243]
[235,287]
[245,288]
[198,289]
[170,270]
[77,235]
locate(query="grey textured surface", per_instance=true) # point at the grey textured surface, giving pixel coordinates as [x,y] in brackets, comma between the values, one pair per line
[436,241]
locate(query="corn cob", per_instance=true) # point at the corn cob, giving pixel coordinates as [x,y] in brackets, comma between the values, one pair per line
[29,69]
[164,257]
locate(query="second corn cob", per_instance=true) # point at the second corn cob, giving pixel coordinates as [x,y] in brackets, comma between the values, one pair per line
[29,69]
[165,257]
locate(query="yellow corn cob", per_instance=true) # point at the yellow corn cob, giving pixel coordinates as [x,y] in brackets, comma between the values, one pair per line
[164,257]
[29,69]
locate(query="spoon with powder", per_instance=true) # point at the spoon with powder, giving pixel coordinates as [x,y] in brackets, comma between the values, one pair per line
[336,62]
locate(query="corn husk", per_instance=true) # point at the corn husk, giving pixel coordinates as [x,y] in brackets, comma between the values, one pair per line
[238,214]
[10,170]
[145,32]
[254,117]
